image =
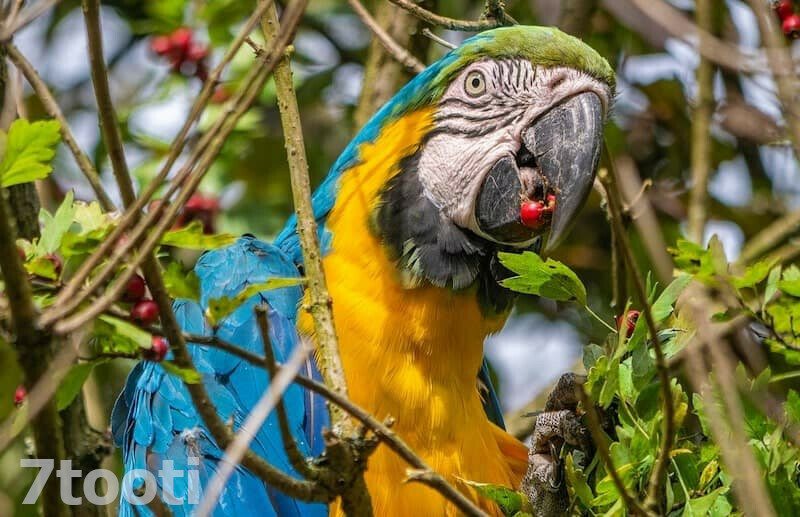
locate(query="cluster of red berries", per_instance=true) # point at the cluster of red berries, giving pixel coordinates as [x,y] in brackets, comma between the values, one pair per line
[627,322]
[145,312]
[535,214]
[790,20]
[187,56]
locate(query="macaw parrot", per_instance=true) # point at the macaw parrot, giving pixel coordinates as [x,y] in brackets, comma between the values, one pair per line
[411,217]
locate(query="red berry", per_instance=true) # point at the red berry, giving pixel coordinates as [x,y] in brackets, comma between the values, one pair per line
[161,45]
[144,312]
[134,291]
[157,351]
[532,214]
[181,39]
[791,26]
[197,52]
[57,264]
[551,201]
[19,395]
[784,9]
[628,320]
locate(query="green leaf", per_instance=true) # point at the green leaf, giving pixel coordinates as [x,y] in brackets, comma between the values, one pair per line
[663,306]
[219,308]
[180,284]
[509,501]
[192,237]
[791,281]
[591,353]
[73,382]
[753,275]
[549,279]
[55,226]
[700,506]
[577,481]
[185,374]
[113,335]
[772,284]
[29,148]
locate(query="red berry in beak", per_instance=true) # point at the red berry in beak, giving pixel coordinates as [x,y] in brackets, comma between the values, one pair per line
[791,26]
[157,351]
[532,214]
[144,312]
[628,322]
[19,395]
[181,39]
[135,289]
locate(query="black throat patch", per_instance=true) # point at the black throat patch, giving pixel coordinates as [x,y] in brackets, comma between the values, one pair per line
[428,248]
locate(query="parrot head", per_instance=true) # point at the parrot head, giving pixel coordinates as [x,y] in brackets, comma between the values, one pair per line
[517,116]
[514,115]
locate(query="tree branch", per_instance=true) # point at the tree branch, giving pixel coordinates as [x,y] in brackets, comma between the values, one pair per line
[701,130]
[392,47]
[448,23]
[319,301]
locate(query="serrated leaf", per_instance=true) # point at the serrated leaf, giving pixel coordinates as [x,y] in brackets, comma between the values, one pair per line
[29,148]
[591,353]
[192,237]
[42,267]
[577,482]
[72,383]
[753,275]
[181,284]
[55,226]
[700,506]
[113,335]
[185,374]
[509,501]
[219,308]
[549,279]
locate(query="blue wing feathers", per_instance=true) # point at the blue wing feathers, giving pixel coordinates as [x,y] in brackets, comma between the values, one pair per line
[154,418]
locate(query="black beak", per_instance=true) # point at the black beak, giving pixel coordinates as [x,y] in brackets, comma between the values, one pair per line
[558,156]
[566,143]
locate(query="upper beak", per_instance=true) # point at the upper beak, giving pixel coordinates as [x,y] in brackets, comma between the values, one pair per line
[566,144]
[559,156]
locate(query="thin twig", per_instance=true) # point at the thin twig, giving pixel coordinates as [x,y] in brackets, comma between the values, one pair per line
[701,131]
[770,236]
[51,107]
[24,18]
[392,47]
[448,23]
[656,483]
[441,41]
[296,458]
[599,439]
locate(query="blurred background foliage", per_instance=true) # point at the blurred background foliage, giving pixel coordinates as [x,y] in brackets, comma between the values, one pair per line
[342,76]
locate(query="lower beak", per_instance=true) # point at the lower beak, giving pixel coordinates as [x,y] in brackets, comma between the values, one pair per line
[562,149]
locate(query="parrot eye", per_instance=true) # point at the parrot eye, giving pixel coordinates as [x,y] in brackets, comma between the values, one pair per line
[475,84]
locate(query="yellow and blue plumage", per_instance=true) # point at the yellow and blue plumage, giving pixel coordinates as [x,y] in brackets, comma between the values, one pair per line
[409,230]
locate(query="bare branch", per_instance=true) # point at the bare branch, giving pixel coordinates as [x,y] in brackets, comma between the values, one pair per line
[448,23]
[319,300]
[392,47]
[701,131]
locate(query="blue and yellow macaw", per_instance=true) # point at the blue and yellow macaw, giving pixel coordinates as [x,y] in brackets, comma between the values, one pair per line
[411,216]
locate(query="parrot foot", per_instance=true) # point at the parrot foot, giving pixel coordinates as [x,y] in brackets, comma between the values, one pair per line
[556,425]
